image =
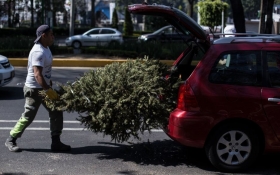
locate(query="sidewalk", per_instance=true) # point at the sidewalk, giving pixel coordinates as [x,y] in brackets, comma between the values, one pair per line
[79,60]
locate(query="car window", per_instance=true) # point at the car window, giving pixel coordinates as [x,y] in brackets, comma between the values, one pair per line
[168,30]
[273,65]
[242,68]
[107,31]
[171,30]
[94,32]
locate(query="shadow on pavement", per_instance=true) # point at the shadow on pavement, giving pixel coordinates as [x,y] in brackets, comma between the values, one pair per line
[14,173]
[166,153]
[11,93]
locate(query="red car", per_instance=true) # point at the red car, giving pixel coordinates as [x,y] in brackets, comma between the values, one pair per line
[229,103]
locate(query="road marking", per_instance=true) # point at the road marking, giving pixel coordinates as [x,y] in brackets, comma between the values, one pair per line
[46,121]
[65,129]
[37,121]
[41,129]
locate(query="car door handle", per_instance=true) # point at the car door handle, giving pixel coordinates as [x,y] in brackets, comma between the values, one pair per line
[277,100]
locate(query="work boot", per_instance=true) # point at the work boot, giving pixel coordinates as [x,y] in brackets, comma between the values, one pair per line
[11,144]
[58,146]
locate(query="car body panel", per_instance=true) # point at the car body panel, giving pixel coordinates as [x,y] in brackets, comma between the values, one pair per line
[165,34]
[90,38]
[236,81]
[7,71]
[271,93]
[222,102]
[96,36]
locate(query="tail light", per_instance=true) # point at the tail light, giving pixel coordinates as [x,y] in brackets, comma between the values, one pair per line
[186,99]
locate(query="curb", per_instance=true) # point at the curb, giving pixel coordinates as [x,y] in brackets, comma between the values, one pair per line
[22,62]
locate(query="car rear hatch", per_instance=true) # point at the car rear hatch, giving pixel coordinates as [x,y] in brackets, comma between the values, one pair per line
[178,19]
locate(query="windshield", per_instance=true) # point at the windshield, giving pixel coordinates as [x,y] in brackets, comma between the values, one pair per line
[160,30]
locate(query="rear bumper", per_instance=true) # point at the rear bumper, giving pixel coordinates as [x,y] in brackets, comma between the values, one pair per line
[7,75]
[188,129]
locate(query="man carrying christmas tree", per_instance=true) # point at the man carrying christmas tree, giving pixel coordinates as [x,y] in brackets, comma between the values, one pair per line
[38,79]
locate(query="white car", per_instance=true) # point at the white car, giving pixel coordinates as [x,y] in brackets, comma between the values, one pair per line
[95,37]
[229,29]
[7,71]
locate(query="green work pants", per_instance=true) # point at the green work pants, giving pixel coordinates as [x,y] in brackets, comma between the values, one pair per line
[33,100]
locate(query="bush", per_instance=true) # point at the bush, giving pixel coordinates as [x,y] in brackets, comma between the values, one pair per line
[128,25]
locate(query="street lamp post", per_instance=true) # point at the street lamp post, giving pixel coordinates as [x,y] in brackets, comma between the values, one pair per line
[71,27]
[223,25]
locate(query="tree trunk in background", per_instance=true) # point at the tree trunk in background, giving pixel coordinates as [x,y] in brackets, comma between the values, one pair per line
[262,16]
[190,8]
[9,13]
[32,14]
[54,18]
[92,13]
[269,17]
[238,16]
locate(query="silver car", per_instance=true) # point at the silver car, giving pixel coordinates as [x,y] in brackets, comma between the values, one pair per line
[95,37]
[7,71]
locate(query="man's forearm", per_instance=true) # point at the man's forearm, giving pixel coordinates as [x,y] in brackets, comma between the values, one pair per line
[41,81]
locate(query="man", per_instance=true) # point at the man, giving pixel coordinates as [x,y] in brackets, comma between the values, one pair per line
[38,78]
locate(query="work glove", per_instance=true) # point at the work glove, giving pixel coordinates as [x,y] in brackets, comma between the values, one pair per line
[51,94]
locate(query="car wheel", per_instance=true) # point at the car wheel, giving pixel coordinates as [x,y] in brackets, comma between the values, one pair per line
[77,44]
[233,147]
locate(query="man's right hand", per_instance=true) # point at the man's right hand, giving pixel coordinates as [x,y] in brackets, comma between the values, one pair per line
[51,94]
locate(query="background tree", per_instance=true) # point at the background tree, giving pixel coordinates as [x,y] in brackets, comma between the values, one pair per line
[9,12]
[154,22]
[128,25]
[266,9]
[190,7]
[115,19]
[32,13]
[269,17]
[92,13]
[2,9]
[58,6]
[210,13]
[238,16]
[251,8]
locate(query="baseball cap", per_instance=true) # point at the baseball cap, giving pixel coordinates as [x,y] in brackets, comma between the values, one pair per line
[40,30]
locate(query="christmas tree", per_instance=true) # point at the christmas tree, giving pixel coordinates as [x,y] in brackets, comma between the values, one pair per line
[122,99]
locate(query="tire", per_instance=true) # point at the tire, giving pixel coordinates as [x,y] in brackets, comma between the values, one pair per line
[232,154]
[77,44]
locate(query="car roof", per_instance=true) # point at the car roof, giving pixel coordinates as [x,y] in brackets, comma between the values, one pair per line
[254,39]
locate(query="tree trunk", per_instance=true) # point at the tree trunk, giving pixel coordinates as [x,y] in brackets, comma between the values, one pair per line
[238,16]
[269,17]
[9,13]
[190,8]
[262,16]
[54,18]
[32,14]
[92,13]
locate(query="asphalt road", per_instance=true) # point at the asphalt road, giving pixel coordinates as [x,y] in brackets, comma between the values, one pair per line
[154,154]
